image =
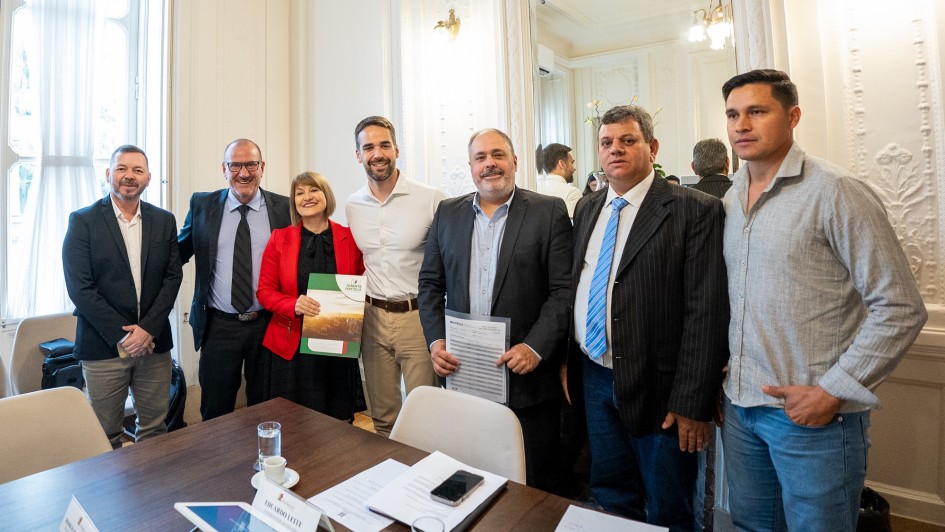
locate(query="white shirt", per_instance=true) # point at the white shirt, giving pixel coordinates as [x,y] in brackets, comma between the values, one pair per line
[555,185]
[634,198]
[392,235]
[131,234]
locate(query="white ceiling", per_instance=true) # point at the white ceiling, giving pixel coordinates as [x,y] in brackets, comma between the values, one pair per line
[578,28]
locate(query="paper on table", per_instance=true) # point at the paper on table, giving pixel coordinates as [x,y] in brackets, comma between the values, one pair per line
[578,519]
[345,502]
[478,341]
[407,497]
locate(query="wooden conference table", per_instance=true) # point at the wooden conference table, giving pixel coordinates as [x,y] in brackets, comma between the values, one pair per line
[135,488]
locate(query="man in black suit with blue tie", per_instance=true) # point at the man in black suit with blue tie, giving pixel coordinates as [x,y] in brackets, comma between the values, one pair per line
[123,273]
[504,251]
[649,330]
[228,321]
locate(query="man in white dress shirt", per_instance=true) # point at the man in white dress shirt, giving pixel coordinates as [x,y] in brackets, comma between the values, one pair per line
[390,217]
[558,163]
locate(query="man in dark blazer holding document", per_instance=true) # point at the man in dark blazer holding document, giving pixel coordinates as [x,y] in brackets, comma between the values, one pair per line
[506,252]
[649,329]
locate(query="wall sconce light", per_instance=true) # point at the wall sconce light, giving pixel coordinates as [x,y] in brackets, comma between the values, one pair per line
[451,25]
[716,22]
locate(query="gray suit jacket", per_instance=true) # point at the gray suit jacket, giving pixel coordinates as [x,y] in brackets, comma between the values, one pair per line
[99,281]
[669,308]
[532,282]
[199,237]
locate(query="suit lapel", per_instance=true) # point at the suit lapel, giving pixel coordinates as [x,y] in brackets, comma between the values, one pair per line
[147,224]
[585,226]
[108,215]
[648,219]
[214,220]
[270,211]
[462,232]
[513,225]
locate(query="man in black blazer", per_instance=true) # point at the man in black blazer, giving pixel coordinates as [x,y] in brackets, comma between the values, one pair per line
[710,163]
[521,241]
[123,273]
[650,362]
[226,336]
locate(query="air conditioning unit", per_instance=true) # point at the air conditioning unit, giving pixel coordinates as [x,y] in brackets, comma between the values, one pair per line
[546,60]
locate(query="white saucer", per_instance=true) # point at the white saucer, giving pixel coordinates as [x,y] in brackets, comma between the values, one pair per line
[291,478]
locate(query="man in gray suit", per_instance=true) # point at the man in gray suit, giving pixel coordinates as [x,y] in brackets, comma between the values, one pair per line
[650,314]
[227,334]
[505,251]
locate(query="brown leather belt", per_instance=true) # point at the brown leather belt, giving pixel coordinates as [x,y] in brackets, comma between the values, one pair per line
[403,305]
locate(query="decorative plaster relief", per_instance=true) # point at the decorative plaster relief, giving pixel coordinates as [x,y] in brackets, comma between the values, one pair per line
[908,200]
[616,86]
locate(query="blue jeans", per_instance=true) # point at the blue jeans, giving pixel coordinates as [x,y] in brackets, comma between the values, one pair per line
[645,478]
[783,476]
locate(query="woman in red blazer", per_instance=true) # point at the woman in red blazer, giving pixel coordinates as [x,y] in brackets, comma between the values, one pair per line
[312,244]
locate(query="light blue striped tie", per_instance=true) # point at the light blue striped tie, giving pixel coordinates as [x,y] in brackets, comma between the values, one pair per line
[596,338]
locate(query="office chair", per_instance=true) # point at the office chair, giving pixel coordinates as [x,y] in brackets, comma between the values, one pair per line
[47,429]
[26,360]
[473,430]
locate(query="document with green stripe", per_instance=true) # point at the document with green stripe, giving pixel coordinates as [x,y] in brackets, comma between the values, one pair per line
[336,331]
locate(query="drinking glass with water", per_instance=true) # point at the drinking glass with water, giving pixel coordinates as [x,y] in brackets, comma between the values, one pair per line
[270,441]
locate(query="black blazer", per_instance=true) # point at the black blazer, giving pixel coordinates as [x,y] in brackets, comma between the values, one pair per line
[532,282]
[199,237]
[669,309]
[99,281]
[713,185]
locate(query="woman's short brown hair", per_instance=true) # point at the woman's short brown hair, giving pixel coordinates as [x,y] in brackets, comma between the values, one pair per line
[311,179]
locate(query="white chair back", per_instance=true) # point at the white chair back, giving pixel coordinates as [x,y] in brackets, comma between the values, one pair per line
[473,430]
[47,429]
[26,360]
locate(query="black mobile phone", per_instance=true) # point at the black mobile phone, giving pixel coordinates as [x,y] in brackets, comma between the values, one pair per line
[456,488]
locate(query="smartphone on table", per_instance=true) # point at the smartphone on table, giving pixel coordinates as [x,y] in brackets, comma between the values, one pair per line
[456,488]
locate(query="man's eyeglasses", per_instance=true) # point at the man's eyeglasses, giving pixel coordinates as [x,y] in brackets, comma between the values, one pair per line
[250,166]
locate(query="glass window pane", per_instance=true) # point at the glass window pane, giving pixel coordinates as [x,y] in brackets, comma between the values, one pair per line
[113,8]
[21,177]
[24,120]
[111,91]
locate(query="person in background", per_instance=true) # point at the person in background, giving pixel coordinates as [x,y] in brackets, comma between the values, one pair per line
[558,164]
[710,163]
[590,185]
[390,217]
[123,273]
[504,251]
[227,230]
[312,244]
[673,180]
[823,307]
[650,315]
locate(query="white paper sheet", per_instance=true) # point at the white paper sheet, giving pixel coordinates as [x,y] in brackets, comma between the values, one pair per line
[407,497]
[578,519]
[478,342]
[345,502]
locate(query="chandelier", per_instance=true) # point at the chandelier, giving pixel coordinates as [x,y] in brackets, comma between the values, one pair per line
[715,22]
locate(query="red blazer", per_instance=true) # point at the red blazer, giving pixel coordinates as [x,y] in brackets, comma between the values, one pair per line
[278,282]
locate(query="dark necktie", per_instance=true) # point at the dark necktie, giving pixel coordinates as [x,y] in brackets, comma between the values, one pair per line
[241,296]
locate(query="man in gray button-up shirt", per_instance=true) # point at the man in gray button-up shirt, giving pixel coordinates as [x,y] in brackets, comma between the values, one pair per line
[823,306]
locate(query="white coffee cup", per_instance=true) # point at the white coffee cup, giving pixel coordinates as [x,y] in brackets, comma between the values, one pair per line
[275,468]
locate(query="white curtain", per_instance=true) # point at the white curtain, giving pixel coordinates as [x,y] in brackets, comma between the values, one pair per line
[65,39]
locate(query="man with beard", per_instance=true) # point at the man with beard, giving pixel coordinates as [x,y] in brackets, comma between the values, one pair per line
[558,163]
[504,251]
[122,272]
[227,230]
[390,217]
